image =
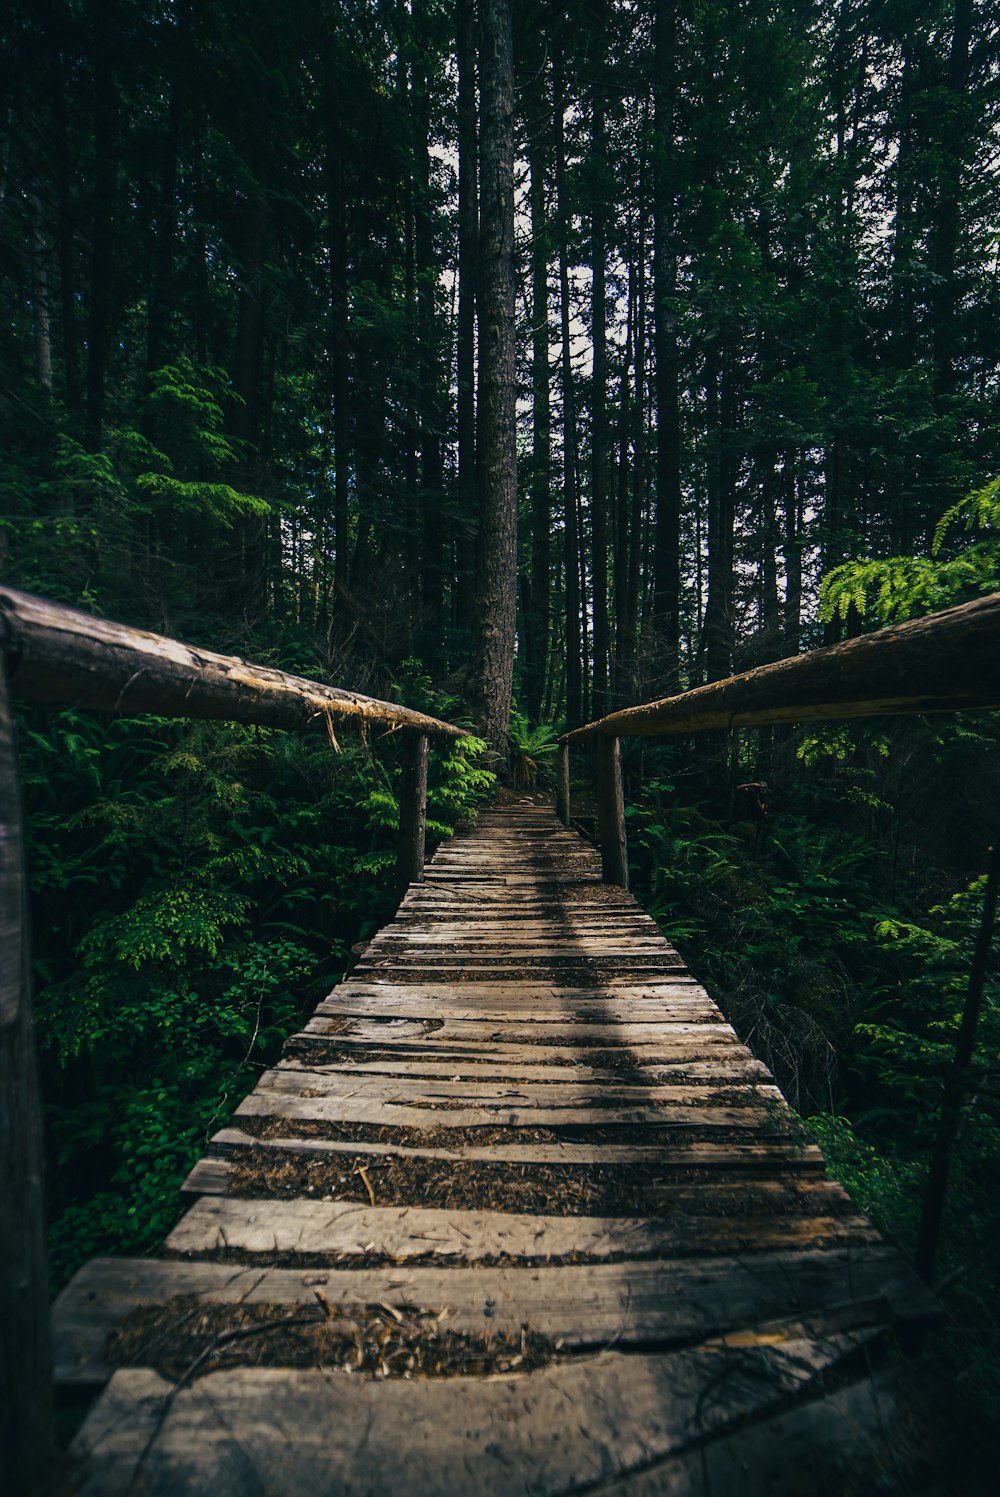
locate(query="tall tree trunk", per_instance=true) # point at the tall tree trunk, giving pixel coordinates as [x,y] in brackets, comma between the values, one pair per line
[40,295]
[536,621]
[624,630]
[666,559]
[340,347]
[468,237]
[496,592]
[429,394]
[599,428]
[166,213]
[947,222]
[721,517]
[65,236]
[104,28]
[572,637]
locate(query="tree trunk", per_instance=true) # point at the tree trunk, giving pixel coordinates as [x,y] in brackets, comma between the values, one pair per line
[599,430]
[468,236]
[26,1433]
[573,637]
[104,26]
[666,558]
[496,592]
[536,622]
[340,349]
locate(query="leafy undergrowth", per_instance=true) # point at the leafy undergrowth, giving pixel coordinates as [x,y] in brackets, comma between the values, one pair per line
[196,890]
[838,941]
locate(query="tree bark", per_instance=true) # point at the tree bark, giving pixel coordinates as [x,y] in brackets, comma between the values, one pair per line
[536,622]
[599,455]
[573,631]
[104,23]
[496,593]
[468,237]
[26,1431]
[666,557]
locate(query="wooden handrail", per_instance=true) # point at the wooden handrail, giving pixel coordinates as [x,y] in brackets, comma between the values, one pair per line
[944,662]
[65,657]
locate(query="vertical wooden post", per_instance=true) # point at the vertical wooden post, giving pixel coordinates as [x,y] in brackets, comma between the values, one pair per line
[611,812]
[412,813]
[26,1434]
[562,789]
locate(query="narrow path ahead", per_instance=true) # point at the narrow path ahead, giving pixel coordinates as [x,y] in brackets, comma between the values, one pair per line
[516,1213]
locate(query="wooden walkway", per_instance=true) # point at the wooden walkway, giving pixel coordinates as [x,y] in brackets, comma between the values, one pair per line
[516,1213]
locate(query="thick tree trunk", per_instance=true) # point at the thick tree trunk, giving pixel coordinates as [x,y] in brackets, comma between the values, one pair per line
[468,237]
[599,428]
[666,557]
[430,386]
[104,25]
[536,620]
[65,235]
[340,350]
[573,633]
[26,1433]
[496,592]
[40,296]
[719,622]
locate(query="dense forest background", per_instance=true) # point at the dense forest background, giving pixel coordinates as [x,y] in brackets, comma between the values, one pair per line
[253,271]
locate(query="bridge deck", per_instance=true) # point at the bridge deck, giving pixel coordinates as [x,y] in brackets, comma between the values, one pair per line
[516,1213]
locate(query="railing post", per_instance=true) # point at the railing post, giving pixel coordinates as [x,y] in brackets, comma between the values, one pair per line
[562,789]
[412,813]
[611,812]
[26,1434]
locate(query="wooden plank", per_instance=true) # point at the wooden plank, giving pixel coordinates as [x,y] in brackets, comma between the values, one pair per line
[298,1081]
[257,1431]
[416,1037]
[583,1305]
[730,1069]
[373,1112]
[345,1229]
[703,1156]
[587,1011]
[525,1033]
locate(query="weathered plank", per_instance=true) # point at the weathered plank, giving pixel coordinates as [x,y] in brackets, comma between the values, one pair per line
[583,1305]
[373,1112]
[561,1428]
[345,1229]
[773,1155]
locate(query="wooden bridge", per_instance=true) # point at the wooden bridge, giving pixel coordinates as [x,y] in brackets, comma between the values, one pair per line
[516,1213]
[519,1150]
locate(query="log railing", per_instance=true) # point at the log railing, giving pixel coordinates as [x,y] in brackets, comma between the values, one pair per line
[62,657]
[946,662]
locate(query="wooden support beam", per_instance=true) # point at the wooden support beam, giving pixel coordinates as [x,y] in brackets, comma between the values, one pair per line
[562,790]
[68,658]
[26,1435]
[412,813]
[945,662]
[611,813]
